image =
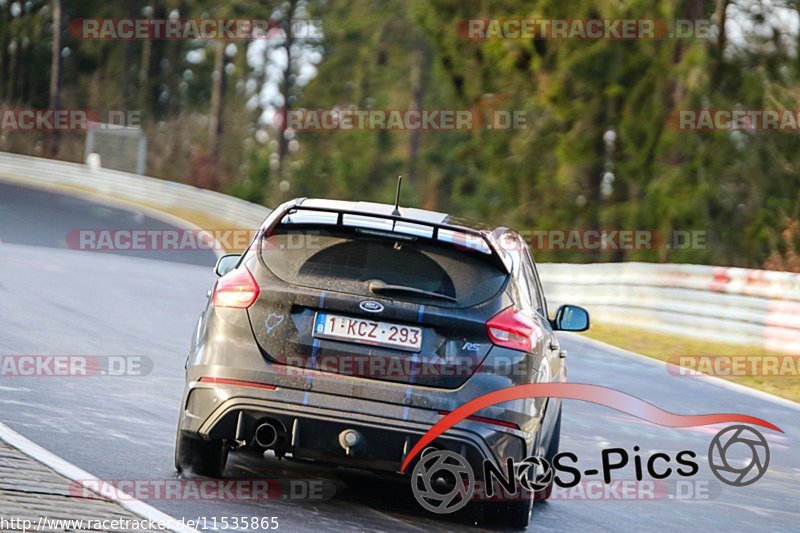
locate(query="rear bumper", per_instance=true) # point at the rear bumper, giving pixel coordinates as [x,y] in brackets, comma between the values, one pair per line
[310,424]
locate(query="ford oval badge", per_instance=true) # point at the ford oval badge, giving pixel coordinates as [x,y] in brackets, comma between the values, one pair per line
[371,306]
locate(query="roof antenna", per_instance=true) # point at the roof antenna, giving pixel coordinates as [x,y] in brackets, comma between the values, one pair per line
[396,211]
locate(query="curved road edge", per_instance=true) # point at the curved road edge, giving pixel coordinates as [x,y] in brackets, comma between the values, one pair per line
[85,480]
[114,201]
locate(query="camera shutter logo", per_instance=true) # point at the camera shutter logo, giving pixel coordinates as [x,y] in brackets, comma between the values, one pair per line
[535,473]
[730,442]
[448,472]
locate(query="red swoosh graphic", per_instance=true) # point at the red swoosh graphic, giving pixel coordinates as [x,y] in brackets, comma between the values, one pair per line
[579,391]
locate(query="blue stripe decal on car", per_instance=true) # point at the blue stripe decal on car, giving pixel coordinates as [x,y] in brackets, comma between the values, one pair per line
[314,351]
[413,369]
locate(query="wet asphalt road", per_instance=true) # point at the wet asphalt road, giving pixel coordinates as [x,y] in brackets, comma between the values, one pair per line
[55,300]
[41,218]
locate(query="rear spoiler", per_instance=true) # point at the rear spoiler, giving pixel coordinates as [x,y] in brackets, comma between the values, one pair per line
[385,224]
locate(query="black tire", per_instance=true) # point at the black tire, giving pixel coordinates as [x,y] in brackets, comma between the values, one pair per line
[552,451]
[200,457]
[511,514]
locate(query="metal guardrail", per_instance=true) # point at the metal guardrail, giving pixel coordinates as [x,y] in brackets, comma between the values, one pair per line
[736,305]
[733,305]
[151,192]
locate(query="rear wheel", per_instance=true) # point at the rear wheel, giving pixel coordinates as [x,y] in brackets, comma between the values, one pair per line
[512,513]
[200,457]
[552,451]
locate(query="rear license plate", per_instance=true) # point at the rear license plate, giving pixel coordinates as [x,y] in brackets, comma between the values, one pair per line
[362,331]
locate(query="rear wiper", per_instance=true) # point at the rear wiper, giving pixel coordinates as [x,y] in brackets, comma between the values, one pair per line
[378,286]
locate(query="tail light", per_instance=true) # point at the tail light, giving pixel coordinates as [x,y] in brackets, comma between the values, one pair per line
[511,329]
[236,289]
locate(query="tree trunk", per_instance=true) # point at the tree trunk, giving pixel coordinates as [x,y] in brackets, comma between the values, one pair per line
[418,86]
[144,75]
[720,14]
[5,57]
[55,74]
[286,88]
[127,59]
[217,100]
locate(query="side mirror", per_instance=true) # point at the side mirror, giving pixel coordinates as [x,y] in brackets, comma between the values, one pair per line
[571,318]
[226,263]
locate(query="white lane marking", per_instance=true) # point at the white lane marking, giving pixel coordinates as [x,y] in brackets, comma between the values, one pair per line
[712,379]
[77,475]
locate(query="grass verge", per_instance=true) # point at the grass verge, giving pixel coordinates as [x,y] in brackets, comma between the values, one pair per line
[663,346]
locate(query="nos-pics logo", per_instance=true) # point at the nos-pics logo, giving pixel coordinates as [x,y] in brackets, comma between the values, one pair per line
[444,482]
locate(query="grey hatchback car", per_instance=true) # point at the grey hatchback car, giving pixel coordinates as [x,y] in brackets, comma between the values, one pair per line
[347,329]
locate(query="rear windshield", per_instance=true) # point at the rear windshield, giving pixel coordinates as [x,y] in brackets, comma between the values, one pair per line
[356,263]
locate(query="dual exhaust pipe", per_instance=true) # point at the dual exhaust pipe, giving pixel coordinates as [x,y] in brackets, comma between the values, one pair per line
[269,432]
